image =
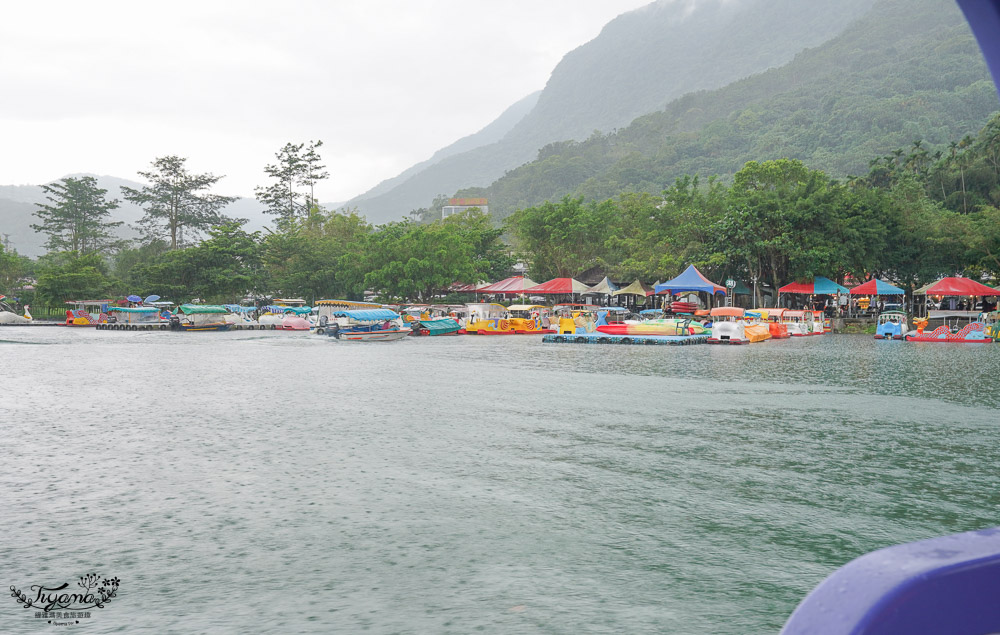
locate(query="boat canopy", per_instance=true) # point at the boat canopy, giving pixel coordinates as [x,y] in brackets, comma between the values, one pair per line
[690,280]
[367,315]
[727,311]
[297,310]
[514,285]
[236,308]
[956,286]
[636,288]
[348,304]
[877,287]
[818,286]
[527,307]
[440,325]
[133,309]
[191,309]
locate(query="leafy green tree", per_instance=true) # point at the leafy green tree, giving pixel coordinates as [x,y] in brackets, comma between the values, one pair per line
[781,222]
[491,258]
[222,268]
[76,217]
[13,269]
[177,202]
[406,260]
[562,239]
[303,259]
[68,276]
[298,165]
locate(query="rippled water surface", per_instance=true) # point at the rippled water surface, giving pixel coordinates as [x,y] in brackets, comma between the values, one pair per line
[284,483]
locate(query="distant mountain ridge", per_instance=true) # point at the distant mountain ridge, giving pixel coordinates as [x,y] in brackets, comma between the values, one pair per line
[640,61]
[492,133]
[909,71]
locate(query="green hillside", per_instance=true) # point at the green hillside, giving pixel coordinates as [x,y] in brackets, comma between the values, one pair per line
[909,70]
[640,61]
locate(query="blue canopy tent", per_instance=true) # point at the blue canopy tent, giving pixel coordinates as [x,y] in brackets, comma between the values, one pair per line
[691,280]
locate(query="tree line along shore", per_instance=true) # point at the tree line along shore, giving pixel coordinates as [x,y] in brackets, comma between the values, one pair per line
[917,215]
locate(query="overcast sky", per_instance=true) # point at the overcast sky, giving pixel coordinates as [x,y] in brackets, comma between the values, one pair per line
[105,87]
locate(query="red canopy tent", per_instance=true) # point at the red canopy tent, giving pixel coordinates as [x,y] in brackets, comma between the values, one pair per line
[466,288]
[514,285]
[957,286]
[558,286]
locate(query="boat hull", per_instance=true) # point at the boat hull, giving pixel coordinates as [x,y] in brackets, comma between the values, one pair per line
[204,327]
[388,335]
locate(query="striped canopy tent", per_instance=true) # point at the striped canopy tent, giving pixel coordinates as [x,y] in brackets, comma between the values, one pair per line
[956,286]
[691,280]
[604,287]
[514,285]
[818,286]
[558,286]
[636,288]
[877,287]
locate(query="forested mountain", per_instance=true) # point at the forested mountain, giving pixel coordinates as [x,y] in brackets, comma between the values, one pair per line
[908,71]
[17,207]
[638,63]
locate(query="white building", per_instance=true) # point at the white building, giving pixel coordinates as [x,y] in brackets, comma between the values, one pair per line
[459,205]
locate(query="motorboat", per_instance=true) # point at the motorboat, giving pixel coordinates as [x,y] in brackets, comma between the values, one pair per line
[892,325]
[429,320]
[241,317]
[435,326]
[326,308]
[200,317]
[366,325]
[133,318]
[285,318]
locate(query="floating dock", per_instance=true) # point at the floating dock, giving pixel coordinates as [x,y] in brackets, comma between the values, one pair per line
[603,338]
[33,323]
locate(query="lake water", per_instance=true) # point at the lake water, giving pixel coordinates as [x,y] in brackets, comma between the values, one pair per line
[273,482]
